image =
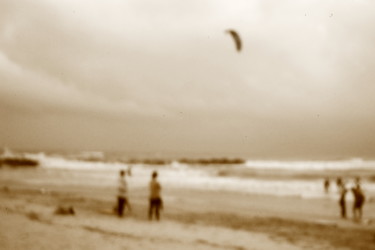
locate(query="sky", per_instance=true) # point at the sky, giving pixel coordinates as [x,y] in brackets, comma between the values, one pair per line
[164,77]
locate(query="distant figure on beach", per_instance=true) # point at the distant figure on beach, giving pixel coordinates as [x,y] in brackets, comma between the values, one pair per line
[130,170]
[359,200]
[357,182]
[326,185]
[339,183]
[156,203]
[122,196]
[342,200]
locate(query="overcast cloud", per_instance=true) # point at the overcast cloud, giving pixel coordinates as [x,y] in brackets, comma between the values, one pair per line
[163,77]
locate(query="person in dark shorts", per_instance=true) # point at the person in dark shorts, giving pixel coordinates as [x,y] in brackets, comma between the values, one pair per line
[122,195]
[156,203]
[359,200]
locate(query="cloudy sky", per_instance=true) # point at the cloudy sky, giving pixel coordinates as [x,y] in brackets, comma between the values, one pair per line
[164,77]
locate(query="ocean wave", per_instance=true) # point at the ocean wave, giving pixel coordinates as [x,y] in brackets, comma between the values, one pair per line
[11,159]
[56,161]
[355,163]
[251,177]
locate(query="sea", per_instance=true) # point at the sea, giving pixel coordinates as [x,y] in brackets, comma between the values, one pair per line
[300,178]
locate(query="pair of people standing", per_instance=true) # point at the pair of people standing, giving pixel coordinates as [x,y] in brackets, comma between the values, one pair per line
[358,196]
[155,201]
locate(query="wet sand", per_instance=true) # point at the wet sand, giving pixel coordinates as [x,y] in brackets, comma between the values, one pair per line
[192,219]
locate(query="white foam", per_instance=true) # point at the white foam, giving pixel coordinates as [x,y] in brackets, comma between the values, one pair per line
[355,163]
[63,163]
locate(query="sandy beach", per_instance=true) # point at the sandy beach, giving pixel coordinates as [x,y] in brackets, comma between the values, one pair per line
[192,219]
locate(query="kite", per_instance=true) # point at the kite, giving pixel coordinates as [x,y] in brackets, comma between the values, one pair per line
[236,39]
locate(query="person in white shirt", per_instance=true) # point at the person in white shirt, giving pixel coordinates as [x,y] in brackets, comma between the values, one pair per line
[122,195]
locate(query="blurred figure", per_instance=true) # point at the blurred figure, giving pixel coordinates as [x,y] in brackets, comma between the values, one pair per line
[156,203]
[342,201]
[129,170]
[326,185]
[122,196]
[339,183]
[357,182]
[359,200]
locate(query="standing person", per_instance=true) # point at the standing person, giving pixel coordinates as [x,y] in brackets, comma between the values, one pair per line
[359,200]
[339,183]
[122,195]
[326,185]
[342,201]
[357,182]
[129,170]
[155,199]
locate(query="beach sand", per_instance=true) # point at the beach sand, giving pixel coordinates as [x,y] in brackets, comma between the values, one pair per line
[192,219]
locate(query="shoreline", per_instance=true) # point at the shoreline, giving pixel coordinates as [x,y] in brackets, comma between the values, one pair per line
[298,223]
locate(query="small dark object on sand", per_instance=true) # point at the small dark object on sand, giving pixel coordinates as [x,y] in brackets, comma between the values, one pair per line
[6,189]
[64,210]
